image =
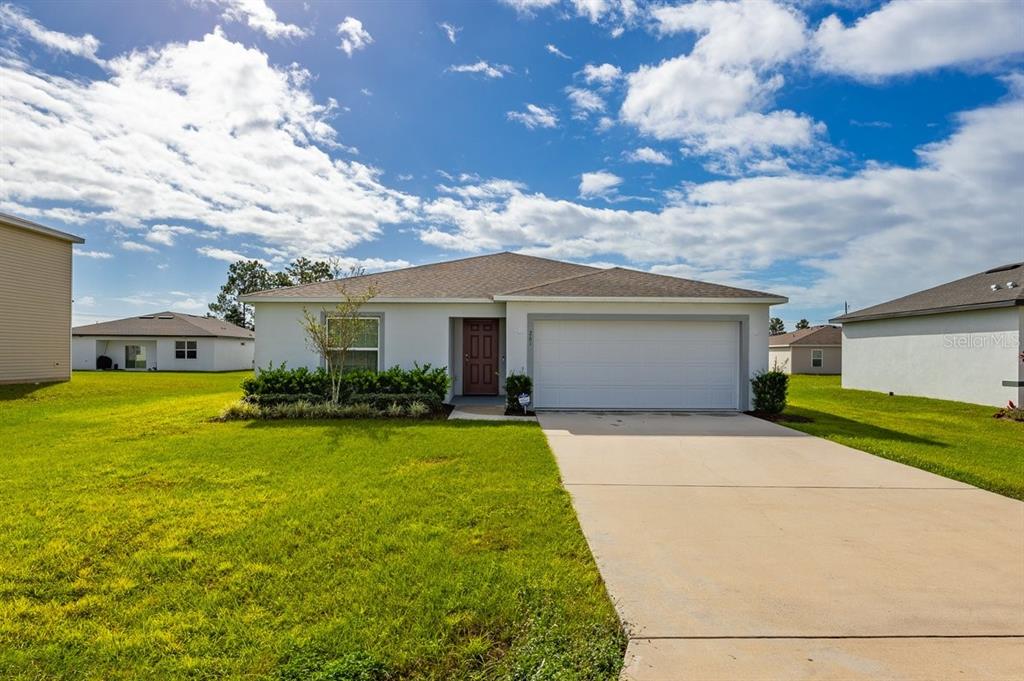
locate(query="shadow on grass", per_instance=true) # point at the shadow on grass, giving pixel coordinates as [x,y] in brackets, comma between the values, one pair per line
[828,425]
[19,390]
[379,430]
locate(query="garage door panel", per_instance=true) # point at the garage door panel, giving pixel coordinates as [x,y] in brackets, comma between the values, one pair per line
[636,365]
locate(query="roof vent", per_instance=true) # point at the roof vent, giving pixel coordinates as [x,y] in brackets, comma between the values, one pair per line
[995,287]
[148,316]
[1011,284]
[1004,268]
[165,316]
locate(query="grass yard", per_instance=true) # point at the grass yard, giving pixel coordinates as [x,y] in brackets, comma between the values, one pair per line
[140,540]
[957,440]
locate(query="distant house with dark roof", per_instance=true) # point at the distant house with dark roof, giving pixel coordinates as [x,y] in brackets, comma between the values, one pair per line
[35,301]
[590,338]
[163,341]
[958,341]
[814,350]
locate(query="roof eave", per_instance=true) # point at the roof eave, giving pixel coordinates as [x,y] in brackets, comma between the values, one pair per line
[854,317]
[22,223]
[773,300]
[371,301]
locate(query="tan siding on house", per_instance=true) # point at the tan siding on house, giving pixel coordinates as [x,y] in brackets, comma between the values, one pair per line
[35,307]
[832,360]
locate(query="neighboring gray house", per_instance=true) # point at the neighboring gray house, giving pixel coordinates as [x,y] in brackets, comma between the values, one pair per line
[35,301]
[591,338]
[815,350]
[165,341]
[958,341]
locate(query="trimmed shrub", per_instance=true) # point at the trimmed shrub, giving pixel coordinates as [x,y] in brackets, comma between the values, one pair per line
[770,391]
[517,384]
[418,409]
[284,381]
[382,401]
[281,385]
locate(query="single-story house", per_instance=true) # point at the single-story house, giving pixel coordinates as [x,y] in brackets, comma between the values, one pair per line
[814,350]
[35,301]
[590,338]
[958,341]
[165,341]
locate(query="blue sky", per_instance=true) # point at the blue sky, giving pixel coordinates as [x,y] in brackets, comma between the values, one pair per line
[831,152]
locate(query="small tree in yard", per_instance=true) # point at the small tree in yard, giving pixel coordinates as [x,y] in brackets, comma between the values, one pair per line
[332,335]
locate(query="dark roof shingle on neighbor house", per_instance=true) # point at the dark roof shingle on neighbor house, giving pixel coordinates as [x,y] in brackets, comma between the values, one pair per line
[500,275]
[998,287]
[175,324]
[815,335]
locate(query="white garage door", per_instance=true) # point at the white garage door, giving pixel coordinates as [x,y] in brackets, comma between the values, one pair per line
[635,364]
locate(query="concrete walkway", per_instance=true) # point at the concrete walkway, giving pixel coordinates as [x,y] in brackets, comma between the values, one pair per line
[736,549]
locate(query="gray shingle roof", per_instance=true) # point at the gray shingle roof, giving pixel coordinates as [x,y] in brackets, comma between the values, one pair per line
[22,223]
[165,324]
[619,282]
[487,276]
[815,335]
[970,293]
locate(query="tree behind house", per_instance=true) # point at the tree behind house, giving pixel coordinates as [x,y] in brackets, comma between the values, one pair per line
[776,327]
[250,276]
[803,324]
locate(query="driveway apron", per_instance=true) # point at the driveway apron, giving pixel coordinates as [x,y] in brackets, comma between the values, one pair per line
[736,549]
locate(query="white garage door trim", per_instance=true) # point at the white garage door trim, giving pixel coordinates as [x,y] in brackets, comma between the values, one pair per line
[739,400]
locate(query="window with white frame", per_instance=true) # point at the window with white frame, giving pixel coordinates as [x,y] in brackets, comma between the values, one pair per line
[365,351]
[817,357]
[186,349]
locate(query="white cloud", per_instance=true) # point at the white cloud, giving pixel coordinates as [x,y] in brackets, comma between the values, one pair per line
[534,117]
[592,9]
[99,255]
[866,237]
[259,17]
[599,183]
[712,98]
[648,155]
[137,247]
[904,37]
[451,31]
[584,102]
[85,301]
[14,19]
[740,33]
[483,68]
[553,49]
[224,254]
[165,234]
[205,132]
[605,123]
[353,36]
[529,6]
[604,74]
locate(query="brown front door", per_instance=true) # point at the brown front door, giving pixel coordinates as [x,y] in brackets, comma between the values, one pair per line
[480,349]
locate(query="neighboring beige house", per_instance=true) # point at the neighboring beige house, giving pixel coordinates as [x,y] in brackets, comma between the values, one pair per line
[35,301]
[164,341]
[815,350]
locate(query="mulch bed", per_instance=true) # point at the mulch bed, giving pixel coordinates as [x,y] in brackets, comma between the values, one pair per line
[780,418]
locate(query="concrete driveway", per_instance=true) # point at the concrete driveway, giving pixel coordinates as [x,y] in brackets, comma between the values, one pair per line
[736,549]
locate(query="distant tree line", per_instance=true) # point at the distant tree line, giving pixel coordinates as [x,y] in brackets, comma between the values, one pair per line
[776,327]
[249,276]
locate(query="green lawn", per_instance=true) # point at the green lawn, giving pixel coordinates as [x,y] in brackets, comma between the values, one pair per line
[957,440]
[140,540]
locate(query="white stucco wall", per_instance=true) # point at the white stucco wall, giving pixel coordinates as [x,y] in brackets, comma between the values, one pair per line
[963,356]
[213,354]
[780,357]
[413,332]
[757,328]
[430,332]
